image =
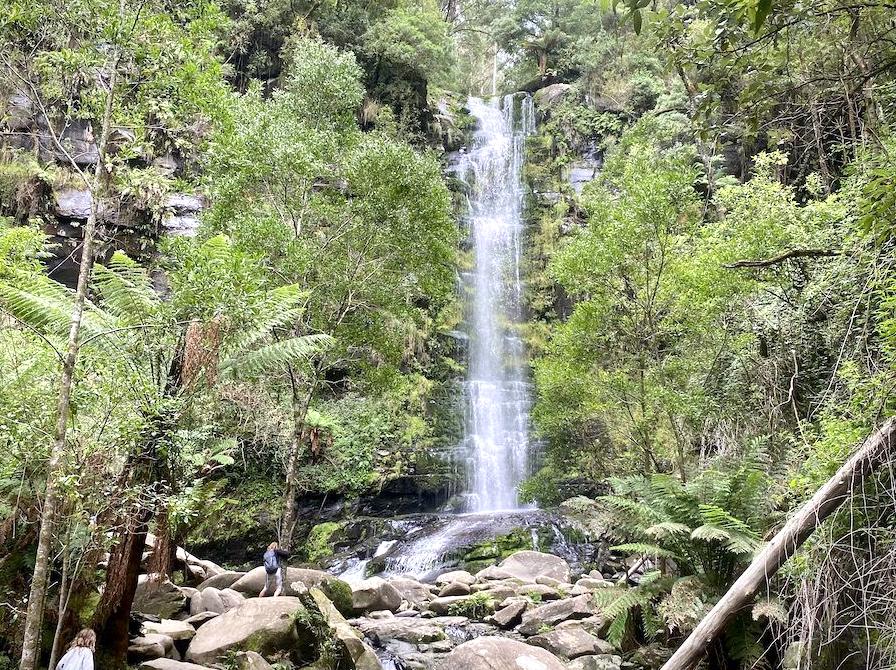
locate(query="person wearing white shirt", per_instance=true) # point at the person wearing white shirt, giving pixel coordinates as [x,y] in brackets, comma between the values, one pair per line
[80,652]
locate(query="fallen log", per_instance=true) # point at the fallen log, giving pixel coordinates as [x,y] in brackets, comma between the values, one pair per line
[873,451]
[780,258]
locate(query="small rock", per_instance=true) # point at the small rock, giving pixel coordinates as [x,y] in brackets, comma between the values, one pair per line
[552,613]
[597,662]
[492,572]
[380,614]
[537,592]
[250,660]
[550,581]
[169,664]
[454,589]
[152,646]
[459,576]
[176,630]
[159,597]
[570,643]
[510,615]
[529,565]
[593,584]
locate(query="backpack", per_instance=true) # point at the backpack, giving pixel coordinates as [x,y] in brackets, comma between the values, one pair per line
[271,562]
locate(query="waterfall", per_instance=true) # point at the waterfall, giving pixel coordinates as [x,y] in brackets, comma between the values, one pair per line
[497,387]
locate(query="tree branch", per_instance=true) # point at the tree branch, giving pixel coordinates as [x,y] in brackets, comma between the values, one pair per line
[780,258]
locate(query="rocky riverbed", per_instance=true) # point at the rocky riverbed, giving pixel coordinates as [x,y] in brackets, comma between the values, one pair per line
[531,612]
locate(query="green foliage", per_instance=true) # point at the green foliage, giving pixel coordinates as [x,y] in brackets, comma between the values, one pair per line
[476,606]
[317,544]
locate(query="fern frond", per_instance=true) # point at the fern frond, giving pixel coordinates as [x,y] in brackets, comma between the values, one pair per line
[292,351]
[646,549]
[46,306]
[666,529]
[126,290]
[710,533]
[616,631]
[280,308]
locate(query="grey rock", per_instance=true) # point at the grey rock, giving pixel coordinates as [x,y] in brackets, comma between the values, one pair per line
[152,646]
[374,594]
[411,631]
[537,592]
[253,581]
[529,565]
[510,615]
[266,624]
[454,589]
[597,662]
[250,660]
[442,605]
[411,590]
[176,630]
[570,642]
[460,576]
[168,664]
[497,653]
[231,599]
[593,584]
[72,203]
[361,655]
[552,613]
[212,601]
[222,581]
[159,597]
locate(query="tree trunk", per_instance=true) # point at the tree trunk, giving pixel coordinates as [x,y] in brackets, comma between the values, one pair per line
[63,606]
[785,543]
[38,593]
[114,610]
[300,410]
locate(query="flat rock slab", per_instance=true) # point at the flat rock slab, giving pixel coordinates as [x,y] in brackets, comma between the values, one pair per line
[570,642]
[510,615]
[159,597]
[176,630]
[498,653]
[169,664]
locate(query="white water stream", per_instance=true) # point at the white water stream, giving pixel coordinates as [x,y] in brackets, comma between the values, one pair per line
[497,390]
[497,387]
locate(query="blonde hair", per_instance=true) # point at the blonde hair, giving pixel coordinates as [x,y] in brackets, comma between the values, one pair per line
[273,545]
[86,638]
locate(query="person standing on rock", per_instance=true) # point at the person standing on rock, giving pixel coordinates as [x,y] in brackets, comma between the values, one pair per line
[80,652]
[273,568]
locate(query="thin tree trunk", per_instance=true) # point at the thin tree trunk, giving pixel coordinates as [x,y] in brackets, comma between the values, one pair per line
[63,605]
[300,411]
[783,545]
[38,593]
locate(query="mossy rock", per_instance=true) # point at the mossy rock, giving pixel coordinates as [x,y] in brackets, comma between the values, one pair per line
[319,544]
[340,594]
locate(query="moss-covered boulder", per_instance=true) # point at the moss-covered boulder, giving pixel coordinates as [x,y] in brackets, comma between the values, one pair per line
[264,625]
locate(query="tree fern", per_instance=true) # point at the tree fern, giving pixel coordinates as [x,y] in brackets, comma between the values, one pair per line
[293,351]
[126,290]
[281,308]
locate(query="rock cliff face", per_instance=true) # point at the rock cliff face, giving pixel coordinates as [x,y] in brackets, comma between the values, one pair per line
[39,180]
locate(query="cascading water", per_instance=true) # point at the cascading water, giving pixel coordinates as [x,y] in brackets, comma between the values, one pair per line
[497,388]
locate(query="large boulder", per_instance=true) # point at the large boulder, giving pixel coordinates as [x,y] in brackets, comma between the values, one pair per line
[210,601]
[362,657]
[529,565]
[159,597]
[509,615]
[375,594]
[265,625]
[176,630]
[570,642]
[552,613]
[454,589]
[498,653]
[413,631]
[296,581]
[223,581]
